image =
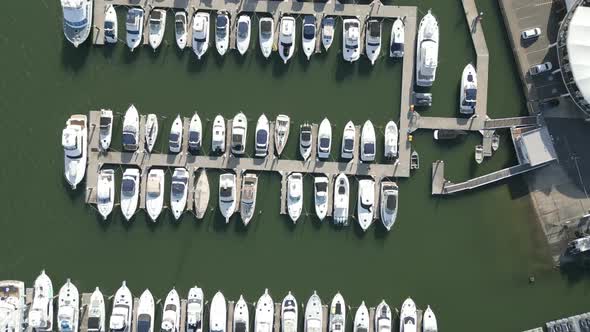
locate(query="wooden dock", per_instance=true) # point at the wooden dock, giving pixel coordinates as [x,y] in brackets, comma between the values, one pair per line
[470,124]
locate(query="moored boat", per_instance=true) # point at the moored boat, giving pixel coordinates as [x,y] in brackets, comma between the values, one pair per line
[146,312]
[77,20]
[12,305]
[341,194]
[261,137]
[194,310]
[201,33]
[264,313]
[495,141]
[289,314]
[202,193]
[218,135]
[320,189]
[180,29]
[171,312]
[122,310]
[151,131]
[368,142]
[305,140]
[157,26]
[218,313]
[266,34]
[105,133]
[429,323]
[74,140]
[243,28]
[391,137]
[396,46]
[179,191]
[389,203]
[96,312]
[195,133]
[105,192]
[324,139]
[131,129]
[287,38]
[248,197]
[294,195]
[68,308]
[308,35]
[222,32]
[348,141]
[383,322]
[365,203]
[129,192]
[134,27]
[313,314]
[479,153]
[241,322]
[40,315]
[351,39]
[427,50]
[373,40]
[175,137]
[238,134]
[155,193]
[468,95]
[227,195]
[361,319]
[282,125]
[337,314]
[328,24]
[408,317]
[111,25]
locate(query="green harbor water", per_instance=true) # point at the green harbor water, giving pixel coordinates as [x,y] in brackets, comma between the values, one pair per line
[468,256]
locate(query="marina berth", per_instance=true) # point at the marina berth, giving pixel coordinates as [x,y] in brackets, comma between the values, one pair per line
[227,195]
[468,95]
[122,313]
[106,129]
[180,29]
[194,310]
[396,46]
[266,33]
[151,132]
[248,197]
[201,195]
[129,192]
[408,317]
[40,315]
[308,35]
[264,313]
[111,25]
[218,313]
[195,133]
[155,193]
[12,305]
[77,20]
[289,314]
[337,314]
[146,312]
[287,36]
[361,319]
[157,26]
[134,27]
[131,129]
[373,40]
[222,31]
[427,50]
[241,321]
[105,192]
[96,312]
[175,137]
[262,136]
[351,39]
[243,30]
[179,191]
[328,25]
[383,322]
[201,33]
[74,140]
[171,313]
[313,314]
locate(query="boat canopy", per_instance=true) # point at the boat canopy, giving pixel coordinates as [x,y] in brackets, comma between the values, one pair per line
[324,143]
[348,144]
[194,137]
[369,148]
[243,28]
[309,31]
[128,186]
[266,28]
[261,137]
[321,187]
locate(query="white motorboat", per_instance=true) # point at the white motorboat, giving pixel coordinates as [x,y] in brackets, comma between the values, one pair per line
[238,134]
[155,193]
[427,50]
[129,192]
[408,317]
[227,195]
[131,129]
[202,194]
[495,142]
[341,193]
[468,95]
[180,29]
[222,32]
[151,131]
[218,136]
[146,311]
[368,142]
[361,319]
[328,25]
[195,133]
[391,137]
[74,140]
[289,314]
[305,137]
[200,33]
[105,192]
[396,46]
[282,125]
[266,33]
[313,314]
[348,141]
[194,310]
[179,191]
[351,39]
[262,136]
[366,203]
[243,33]
[175,137]
[429,323]
[294,195]
[389,203]
[479,153]
[68,308]
[218,313]
[96,312]
[337,314]
[324,139]
[12,305]
[134,27]
[241,322]
[105,133]
[171,313]
[157,25]
[287,38]
[248,197]
[122,310]
[40,315]
[308,32]
[373,40]
[265,313]
[110,25]
[320,191]
[77,20]
[383,322]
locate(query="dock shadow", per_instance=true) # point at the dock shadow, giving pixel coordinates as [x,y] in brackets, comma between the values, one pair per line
[74,58]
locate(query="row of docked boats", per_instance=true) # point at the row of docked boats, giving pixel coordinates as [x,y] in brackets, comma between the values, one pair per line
[122,317]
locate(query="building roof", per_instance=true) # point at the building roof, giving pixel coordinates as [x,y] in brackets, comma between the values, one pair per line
[536,146]
[578,47]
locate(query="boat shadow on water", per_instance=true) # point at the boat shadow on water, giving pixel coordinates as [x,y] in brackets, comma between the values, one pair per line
[74,58]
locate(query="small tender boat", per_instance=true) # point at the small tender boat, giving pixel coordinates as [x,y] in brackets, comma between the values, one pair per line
[238,134]
[305,137]
[408,316]
[105,133]
[129,192]
[383,318]
[389,203]
[262,136]
[337,314]
[391,136]
[202,194]
[180,29]
[131,129]
[313,314]
[264,313]
[324,139]
[495,142]
[328,25]
[361,319]
[368,142]
[40,315]
[414,160]
[287,38]
[155,193]
[157,25]
[243,33]
[320,191]
[200,33]
[241,321]
[294,195]
[227,195]
[12,305]
[266,34]
[77,20]
[396,46]
[468,95]
[151,131]
[289,314]
[171,312]
[96,312]
[282,125]
[429,323]
[122,310]
[218,136]
[179,191]
[479,153]
[110,25]
[134,26]
[175,137]
[373,40]
[68,312]
[427,50]
[445,134]
[146,311]
[351,39]
[248,197]
[194,310]
[218,313]
[308,32]
[348,141]
[195,133]
[366,203]
[105,192]
[341,192]
[74,142]
[222,32]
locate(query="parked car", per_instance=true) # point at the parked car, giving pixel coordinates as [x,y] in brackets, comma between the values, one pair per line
[531,33]
[540,68]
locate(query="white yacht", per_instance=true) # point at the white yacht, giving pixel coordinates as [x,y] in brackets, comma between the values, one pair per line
[243,33]
[368,142]
[12,305]
[110,25]
[195,133]
[131,129]
[129,192]
[289,314]
[408,317]
[282,125]
[295,195]
[105,133]
[468,95]
[479,153]
[427,51]
[194,310]
[151,132]
[248,197]
[383,322]
[238,134]
[41,311]
[266,33]
[389,203]
[373,40]
[175,137]
[146,311]
[218,313]
[341,193]
[324,139]
[171,313]
[241,322]
[328,25]
[305,137]
[96,312]
[320,191]
[227,195]
[75,144]
[391,137]
[179,191]
[122,310]
[287,38]
[313,314]
[308,32]
[264,313]
[429,323]
[180,29]
[77,20]
[155,193]
[351,39]
[200,33]
[396,46]
[157,25]
[262,136]
[105,192]
[68,312]
[361,319]
[202,194]
[222,32]
[134,27]
[348,141]
[366,203]
[337,314]
[218,136]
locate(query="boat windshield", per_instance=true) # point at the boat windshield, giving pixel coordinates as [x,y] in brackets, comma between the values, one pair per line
[240,327]
[306,136]
[361,329]
[369,148]
[321,187]
[261,137]
[341,190]
[94,323]
[128,187]
[179,27]
[129,139]
[391,202]
[324,143]
[309,32]
[174,138]
[243,29]
[236,138]
[194,137]
[265,28]
[108,26]
[178,188]
[397,47]
[220,28]
[144,323]
[470,94]
[226,194]
[348,144]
